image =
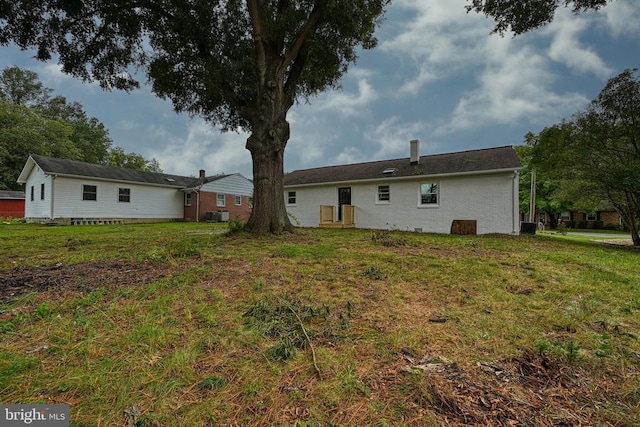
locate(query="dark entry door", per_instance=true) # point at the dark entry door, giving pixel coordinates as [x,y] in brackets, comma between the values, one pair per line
[344,198]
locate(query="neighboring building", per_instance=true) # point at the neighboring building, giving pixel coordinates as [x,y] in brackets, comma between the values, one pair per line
[11,204]
[436,193]
[603,218]
[72,192]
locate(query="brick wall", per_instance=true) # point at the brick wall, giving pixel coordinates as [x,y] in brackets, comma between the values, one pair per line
[209,202]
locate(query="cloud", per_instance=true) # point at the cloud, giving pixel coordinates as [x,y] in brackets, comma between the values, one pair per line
[566,47]
[439,39]
[391,137]
[203,148]
[622,18]
[513,87]
[349,104]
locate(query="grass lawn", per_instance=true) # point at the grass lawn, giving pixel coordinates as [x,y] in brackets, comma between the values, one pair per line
[194,327]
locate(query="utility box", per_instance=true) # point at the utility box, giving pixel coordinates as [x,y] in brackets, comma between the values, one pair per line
[223,216]
[528,227]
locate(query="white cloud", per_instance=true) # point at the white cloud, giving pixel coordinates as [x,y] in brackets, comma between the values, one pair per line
[566,47]
[513,87]
[623,18]
[349,104]
[390,139]
[440,40]
[203,148]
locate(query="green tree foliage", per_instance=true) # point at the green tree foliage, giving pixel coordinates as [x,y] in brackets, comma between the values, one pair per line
[23,132]
[520,16]
[598,150]
[118,158]
[550,199]
[22,87]
[34,122]
[240,64]
[89,134]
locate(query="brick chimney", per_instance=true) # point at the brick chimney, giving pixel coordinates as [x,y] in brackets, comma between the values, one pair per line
[202,173]
[415,151]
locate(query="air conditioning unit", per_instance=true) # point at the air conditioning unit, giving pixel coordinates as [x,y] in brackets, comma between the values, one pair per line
[223,216]
[212,216]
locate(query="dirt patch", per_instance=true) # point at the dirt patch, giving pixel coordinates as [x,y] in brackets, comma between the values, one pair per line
[526,390]
[77,277]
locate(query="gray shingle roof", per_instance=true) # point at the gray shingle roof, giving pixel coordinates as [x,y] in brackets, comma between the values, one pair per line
[450,163]
[12,195]
[65,167]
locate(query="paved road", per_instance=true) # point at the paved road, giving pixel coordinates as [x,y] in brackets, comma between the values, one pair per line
[603,235]
[595,235]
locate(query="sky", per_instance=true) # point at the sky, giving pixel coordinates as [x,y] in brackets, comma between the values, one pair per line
[437,75]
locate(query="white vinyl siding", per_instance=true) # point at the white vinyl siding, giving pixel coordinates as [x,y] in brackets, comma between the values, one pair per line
[157,202]
[34,206]
[232,184]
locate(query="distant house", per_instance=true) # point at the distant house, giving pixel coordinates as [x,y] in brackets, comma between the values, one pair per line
[11,204]
[72,192]
[604,217]
[466,192]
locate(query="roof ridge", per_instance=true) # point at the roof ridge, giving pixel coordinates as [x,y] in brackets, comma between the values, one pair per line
[402,158]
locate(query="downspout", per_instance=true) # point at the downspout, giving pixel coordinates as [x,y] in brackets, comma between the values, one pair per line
[52,207]
[515,201]
[197,206]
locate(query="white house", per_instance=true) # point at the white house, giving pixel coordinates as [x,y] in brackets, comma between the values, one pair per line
[72,192]
[477,190]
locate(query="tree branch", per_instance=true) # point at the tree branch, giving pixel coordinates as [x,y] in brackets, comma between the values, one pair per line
[303,36]
[258,37]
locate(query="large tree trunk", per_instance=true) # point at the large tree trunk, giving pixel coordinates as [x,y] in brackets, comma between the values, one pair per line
[267,144]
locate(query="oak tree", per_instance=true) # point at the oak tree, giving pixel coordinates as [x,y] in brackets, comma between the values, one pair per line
[240,64]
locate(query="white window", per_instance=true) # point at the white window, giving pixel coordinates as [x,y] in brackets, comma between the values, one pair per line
[384,194]
[429,194]
[291,197]
[591,216]
[90,192]
[187,199]
[565,216]
[124,195]
[238,200]
[221,200]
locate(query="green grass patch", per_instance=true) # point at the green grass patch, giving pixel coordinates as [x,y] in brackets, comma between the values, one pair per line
[321,327]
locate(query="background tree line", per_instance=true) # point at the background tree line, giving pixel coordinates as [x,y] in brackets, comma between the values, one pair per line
[592,159]
[34,121]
